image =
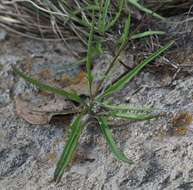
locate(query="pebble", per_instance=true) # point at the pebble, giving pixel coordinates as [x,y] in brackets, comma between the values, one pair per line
[4,98]
[3,35]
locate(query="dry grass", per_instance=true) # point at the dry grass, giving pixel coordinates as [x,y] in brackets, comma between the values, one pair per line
[64,19]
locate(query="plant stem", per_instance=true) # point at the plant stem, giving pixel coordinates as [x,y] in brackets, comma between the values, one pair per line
[109,69]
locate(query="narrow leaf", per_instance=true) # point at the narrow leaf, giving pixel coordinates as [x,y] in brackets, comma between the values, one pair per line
[89,55]
[132,116]
[69,149]
[104,15]
[118,14]
[112,144]
[125,36]
[145,34]
[144,9]
[123,40]
[121,83]
[70,95]
[126,107]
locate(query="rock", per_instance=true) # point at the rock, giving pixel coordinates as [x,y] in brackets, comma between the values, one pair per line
[29,153]
[3,35]
[4,98]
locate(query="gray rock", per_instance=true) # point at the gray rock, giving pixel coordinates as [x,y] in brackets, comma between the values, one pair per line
[28,153]
[4,98]
[3,34]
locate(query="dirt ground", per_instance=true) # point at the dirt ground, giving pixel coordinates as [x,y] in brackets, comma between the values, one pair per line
[162,149]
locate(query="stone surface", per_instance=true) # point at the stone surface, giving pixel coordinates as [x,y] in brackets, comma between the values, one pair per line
[3,35]
[28,153]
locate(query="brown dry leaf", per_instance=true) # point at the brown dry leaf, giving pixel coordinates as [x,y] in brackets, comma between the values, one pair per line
[67,74]
[182,123]
[42,114]
[80,84]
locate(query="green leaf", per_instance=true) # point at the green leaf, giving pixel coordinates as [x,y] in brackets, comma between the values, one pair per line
[126,107]
[118,14]
[109,138]
[132,116]
[123,40]
[144,9]
[89,56]
[103,15]
[125,36]
[145,34]
[69,149]
[121,83]
[70,95]
[99,48]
